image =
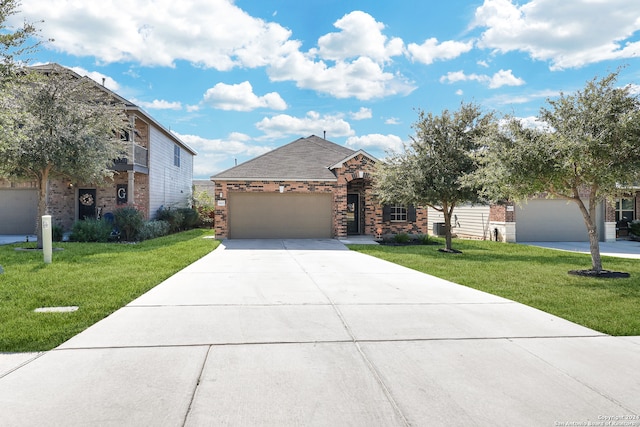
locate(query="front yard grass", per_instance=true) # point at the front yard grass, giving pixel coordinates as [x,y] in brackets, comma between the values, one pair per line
[533,276]
[99,278]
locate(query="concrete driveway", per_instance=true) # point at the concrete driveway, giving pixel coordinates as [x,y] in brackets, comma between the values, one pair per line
[309,333]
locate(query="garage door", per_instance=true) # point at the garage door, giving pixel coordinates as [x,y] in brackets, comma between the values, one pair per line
[18,211]
[551,220]
[280,216]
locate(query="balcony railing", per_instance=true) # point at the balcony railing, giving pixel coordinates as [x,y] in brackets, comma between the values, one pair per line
[137,160]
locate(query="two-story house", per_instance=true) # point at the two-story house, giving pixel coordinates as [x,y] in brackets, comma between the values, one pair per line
[157,171]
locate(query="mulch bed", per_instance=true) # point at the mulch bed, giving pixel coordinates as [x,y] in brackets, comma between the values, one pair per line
[604,274]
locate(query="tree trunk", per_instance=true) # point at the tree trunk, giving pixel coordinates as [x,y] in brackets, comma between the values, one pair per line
[447,212]
[42,203]
[589,216]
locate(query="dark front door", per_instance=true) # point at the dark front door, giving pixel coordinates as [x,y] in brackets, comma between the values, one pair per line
[353,214]
[86,203]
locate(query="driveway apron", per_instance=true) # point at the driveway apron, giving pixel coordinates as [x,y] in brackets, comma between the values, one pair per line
[306,332]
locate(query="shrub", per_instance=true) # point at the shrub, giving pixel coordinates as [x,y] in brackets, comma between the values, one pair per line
[401,238]
[173,216]
[189,218]
[153,229]
[91,230]
[56,233]
[129,221]
[634,227]
[204,204]
[423,239]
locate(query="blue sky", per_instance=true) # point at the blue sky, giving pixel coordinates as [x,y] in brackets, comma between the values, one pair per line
[234,79]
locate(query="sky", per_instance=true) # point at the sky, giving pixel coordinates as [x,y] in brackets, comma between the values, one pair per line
[235,79]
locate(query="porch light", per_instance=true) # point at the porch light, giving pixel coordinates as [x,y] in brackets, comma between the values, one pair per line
[282,188]
[361,174]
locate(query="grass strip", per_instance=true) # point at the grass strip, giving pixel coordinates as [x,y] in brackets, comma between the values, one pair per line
[99,278]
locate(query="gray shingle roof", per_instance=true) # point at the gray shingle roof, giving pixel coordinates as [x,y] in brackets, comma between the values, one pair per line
[306,159]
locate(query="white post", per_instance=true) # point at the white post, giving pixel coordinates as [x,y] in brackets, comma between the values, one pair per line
[46,238]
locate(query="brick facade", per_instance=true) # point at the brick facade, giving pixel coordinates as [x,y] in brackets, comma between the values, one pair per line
[354,177]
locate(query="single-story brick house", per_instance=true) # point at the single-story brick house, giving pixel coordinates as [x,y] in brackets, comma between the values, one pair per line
[540,219]
[157,171]
[309,188]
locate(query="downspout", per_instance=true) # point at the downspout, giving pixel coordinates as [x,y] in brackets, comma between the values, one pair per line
[131,191]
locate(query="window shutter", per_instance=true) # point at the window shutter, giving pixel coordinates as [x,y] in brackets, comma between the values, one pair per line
[411,213]
[386,213]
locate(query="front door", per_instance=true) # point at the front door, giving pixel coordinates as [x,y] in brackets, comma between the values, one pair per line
[86,203]
[353,214]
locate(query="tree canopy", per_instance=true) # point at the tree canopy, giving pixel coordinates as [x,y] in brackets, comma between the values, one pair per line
[14,42]
[587,150]
[431,170]
[60,126]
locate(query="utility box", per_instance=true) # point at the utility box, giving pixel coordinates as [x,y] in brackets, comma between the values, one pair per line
[438,228]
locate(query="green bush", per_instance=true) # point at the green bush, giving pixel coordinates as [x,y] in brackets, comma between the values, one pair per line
[56,233]
[634,227]
[190,218]
[128,220]
[91,230]
[401,238]
[173,216]
[423,239]
[153,229]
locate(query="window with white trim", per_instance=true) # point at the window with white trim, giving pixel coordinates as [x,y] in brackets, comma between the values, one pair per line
[398,213]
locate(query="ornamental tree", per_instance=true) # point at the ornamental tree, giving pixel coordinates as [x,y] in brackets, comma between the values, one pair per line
[432,169]
[588,151]
[61,126]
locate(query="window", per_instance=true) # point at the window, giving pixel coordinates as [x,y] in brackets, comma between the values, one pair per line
[176,156]
[625,210]
[398,213]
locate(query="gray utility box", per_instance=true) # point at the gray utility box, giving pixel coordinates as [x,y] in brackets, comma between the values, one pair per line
[438,228]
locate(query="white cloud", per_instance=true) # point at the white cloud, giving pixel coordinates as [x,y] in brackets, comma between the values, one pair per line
[363,78]
[459,92]
[158,104]
[568,34]
[240,97]
[522,98]
[214,153]
[98,77]
[361,35]
[499,79]
[375,141]
[214,33]
[504,78]
[218,34]
[392,121]
[312,124]
[431,50]
[483,64]
[532,122]
[362,114]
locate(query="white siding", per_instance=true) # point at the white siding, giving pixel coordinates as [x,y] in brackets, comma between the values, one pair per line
[467,221]
[169,185]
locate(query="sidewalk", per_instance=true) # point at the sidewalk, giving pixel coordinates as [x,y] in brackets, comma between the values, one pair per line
[620,248]
[306,332]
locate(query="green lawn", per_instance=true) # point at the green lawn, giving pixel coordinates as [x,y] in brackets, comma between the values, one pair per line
[99,278]
[533,276]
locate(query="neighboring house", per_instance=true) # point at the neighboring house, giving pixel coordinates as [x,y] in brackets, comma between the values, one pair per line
[309,188]
[542,220]
[157,171]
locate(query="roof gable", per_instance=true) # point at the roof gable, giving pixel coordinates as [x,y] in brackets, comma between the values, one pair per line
[305,159]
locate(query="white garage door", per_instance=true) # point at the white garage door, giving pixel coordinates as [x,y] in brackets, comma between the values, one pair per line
[280,216]
[551,220]
[18,211]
